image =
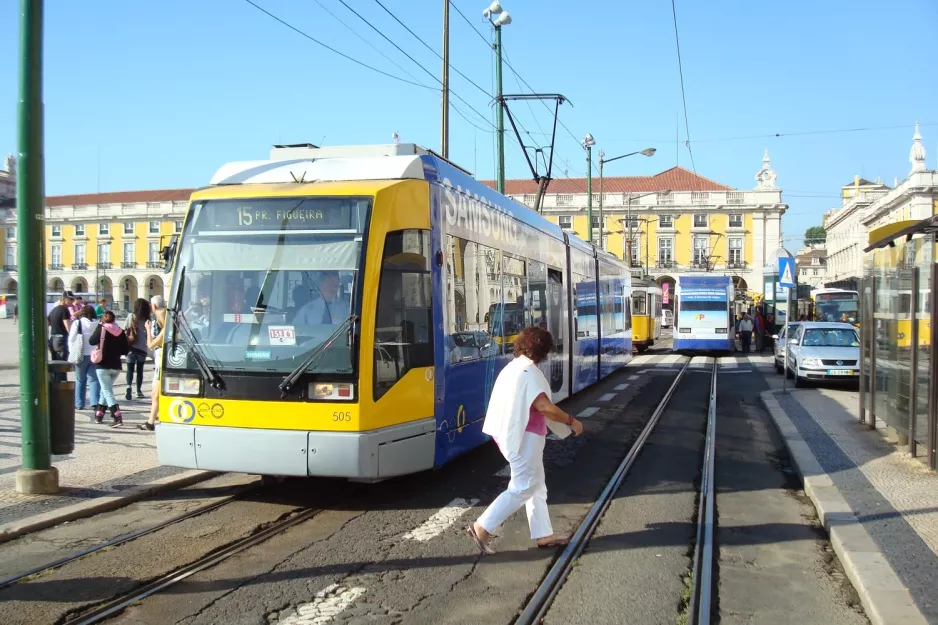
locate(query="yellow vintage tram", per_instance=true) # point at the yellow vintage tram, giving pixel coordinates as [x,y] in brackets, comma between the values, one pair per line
[646,314]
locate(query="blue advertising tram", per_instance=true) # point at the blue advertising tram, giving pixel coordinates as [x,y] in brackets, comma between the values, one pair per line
[703,320]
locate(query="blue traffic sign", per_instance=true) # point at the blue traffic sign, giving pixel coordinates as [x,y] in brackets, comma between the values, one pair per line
[786,272]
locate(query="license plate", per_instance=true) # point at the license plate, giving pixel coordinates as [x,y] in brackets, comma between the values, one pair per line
[840,372]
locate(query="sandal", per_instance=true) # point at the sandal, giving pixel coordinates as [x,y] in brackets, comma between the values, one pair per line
[556,542]
[481,544]
[146,426]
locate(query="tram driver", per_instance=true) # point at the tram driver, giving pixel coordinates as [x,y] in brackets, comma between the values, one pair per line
[329,308]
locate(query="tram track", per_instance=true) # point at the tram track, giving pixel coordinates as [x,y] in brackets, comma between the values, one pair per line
[698,609]
[130,536]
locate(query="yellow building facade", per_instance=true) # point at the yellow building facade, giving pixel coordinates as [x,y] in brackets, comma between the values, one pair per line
[106,244]
[673,223]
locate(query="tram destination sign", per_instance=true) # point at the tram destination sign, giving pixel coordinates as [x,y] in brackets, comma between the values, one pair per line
[277,214]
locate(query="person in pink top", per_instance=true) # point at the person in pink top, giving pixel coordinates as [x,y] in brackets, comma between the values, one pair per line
[519,415]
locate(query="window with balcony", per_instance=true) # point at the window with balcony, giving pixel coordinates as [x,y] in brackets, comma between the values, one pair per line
[701,251]
[104,229]
[104,253]
[177,226]
[79,256]
[665,252]
[11,232]
[736,221]
[79,230]
[56,231]
[128,261]
[700,220]
[636,256]
[56,257]
[665,221]
[565,222]
[9,261]
[595,221]
[736,251]
[153,254]
[154,227]
[128,227]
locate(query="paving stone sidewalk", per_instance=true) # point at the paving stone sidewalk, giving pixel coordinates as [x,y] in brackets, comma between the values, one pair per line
[893,496]
[106,461]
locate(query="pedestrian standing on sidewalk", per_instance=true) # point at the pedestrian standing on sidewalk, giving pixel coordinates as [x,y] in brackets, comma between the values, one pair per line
[759,330]
[86,373]
[154,329]
[516,418]
[745,333]
[111,344]
[136,329]
[60,320]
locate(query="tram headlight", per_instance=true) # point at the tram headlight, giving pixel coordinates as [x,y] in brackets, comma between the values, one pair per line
[178,385]
[334,391]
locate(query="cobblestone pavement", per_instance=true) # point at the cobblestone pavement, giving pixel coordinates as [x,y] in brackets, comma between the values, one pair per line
[894,496]
[105,461]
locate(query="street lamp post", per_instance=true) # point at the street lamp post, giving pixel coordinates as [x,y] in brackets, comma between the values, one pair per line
[588,143]
[603,160]
[502,19]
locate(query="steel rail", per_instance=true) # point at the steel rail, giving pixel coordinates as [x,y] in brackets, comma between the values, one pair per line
[119,540]
[109,608]
[702,568]
[540,602]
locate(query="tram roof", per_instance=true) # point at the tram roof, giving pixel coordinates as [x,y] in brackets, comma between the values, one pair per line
[307,163]
[887,235]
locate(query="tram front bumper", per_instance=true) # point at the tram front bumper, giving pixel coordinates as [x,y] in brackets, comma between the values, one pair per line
[375,454]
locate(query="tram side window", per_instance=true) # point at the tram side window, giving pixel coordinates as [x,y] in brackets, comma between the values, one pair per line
[473,293]
[638,302]
[585,323]
[509,319]
[403,319]
[536,300]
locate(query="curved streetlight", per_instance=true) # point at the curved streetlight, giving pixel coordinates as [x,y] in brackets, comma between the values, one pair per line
[602,161]
[501,18]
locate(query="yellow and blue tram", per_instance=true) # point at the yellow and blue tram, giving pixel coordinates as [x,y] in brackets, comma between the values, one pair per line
[344,312]
[646,314]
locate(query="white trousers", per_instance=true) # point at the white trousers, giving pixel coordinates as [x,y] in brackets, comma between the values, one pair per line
[528,487]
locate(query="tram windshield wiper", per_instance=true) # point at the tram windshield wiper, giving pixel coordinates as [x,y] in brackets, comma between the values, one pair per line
[287,385]
[208,374]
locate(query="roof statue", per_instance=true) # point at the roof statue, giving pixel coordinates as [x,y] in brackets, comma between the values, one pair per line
[917,153]
[766,177]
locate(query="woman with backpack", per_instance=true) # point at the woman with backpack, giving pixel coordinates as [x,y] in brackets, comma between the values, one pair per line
[136,329]
[79,354]
[110,343]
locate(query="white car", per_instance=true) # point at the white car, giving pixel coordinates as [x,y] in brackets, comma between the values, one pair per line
[824,352]
[780,345]
[667,318]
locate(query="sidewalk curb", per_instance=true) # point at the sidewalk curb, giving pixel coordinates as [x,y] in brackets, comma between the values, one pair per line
[885,599]
[84,509]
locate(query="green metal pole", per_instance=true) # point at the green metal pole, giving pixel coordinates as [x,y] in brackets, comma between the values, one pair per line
[589,194]
[499,112]
[30,198]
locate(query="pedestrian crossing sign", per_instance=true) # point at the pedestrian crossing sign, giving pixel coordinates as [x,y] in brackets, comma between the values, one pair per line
[786,272]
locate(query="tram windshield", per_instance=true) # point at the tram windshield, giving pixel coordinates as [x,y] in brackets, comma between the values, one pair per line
[267,281]
[842,307]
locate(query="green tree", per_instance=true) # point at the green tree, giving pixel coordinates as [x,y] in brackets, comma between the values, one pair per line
[815,235]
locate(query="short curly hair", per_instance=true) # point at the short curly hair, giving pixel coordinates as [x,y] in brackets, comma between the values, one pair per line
[535,343]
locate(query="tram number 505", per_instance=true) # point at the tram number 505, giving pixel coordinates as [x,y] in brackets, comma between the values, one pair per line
[341,416]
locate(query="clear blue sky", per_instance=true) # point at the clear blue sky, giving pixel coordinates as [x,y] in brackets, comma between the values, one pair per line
[167,91]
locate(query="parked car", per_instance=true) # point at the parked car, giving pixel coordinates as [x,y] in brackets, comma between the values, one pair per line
[780,346]
[667,318]
[820,352]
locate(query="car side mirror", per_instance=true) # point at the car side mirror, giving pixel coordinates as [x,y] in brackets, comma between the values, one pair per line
[168,253]
[794,341]
[775,337]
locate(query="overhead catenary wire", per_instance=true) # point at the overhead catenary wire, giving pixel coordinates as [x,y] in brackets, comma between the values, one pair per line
[412,59]
[680,69]
[333,50]
[429,47]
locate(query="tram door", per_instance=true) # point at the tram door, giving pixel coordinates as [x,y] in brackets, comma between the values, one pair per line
[555,323]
